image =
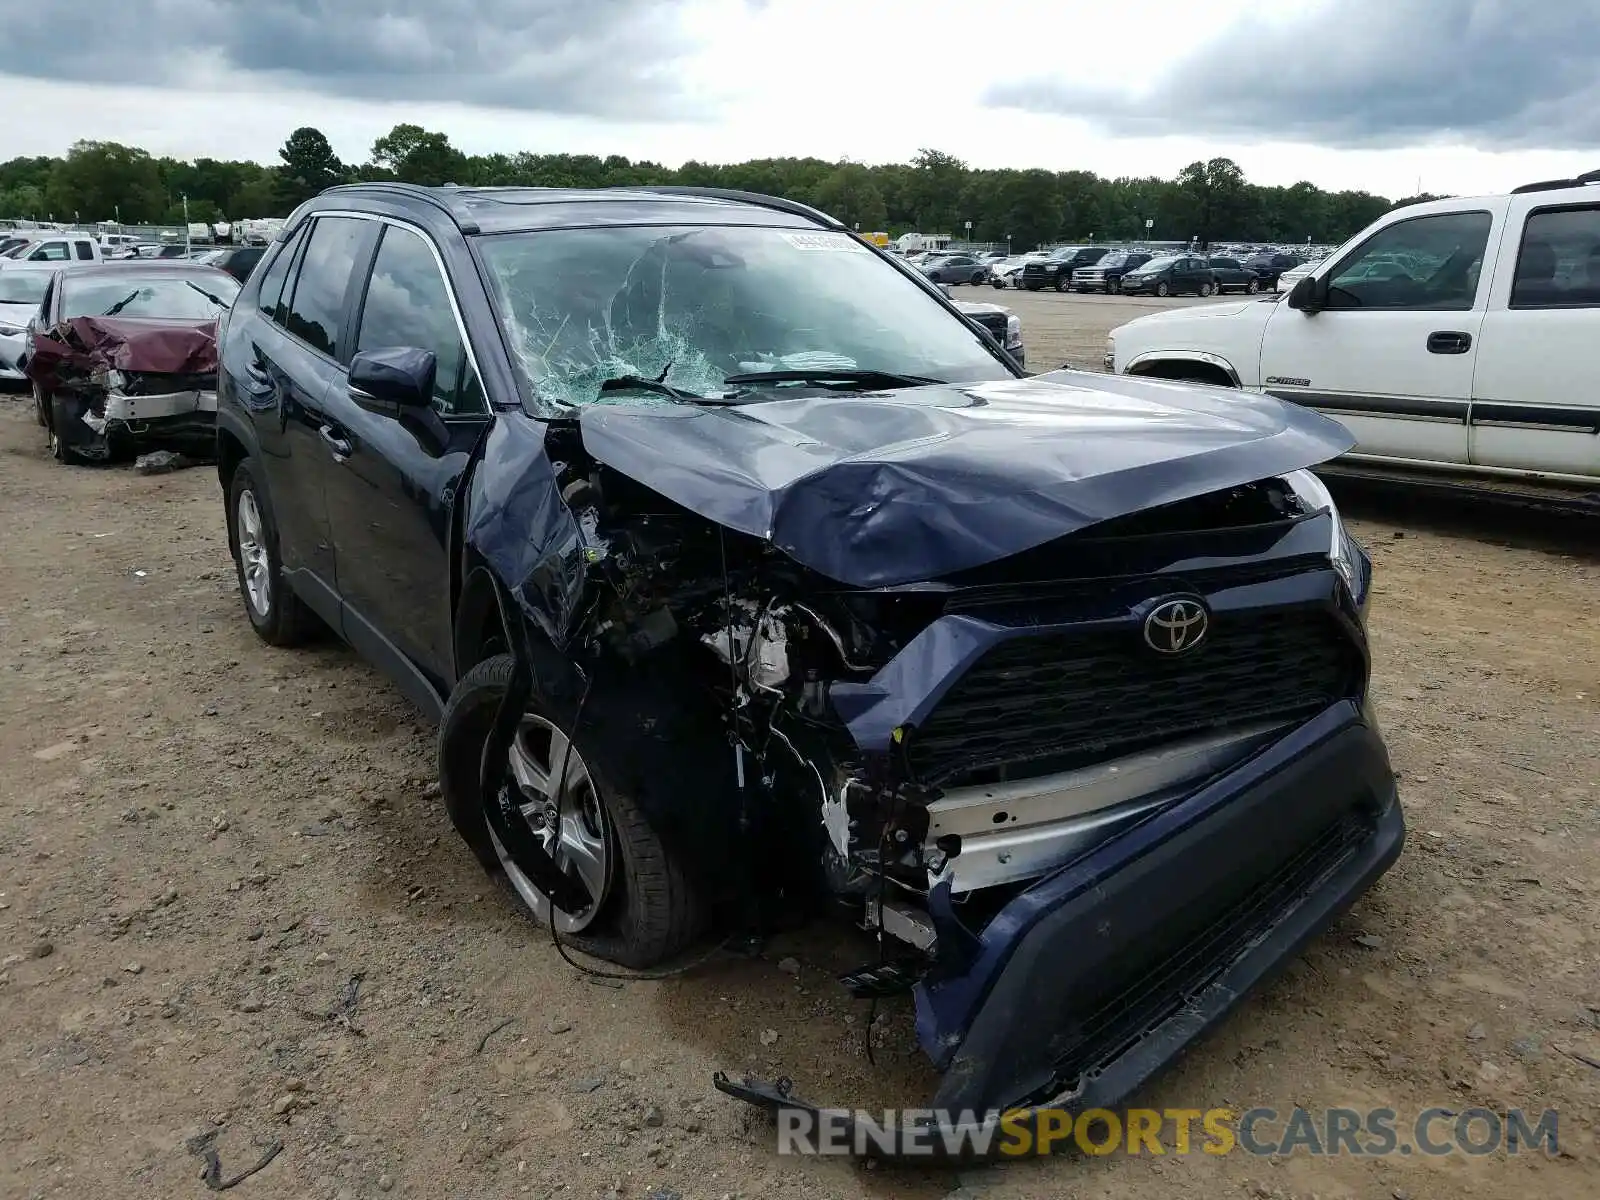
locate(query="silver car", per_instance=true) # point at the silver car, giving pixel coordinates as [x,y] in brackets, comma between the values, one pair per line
[22,288]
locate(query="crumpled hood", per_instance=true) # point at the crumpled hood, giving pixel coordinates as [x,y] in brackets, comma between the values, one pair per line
[893,487]
[98,344]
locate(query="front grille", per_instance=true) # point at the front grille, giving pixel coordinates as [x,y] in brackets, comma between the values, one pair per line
[1051,703]
[994,322]
[155,383]
[1113,1024]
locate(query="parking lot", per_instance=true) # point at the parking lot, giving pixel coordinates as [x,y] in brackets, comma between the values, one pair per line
[231,904]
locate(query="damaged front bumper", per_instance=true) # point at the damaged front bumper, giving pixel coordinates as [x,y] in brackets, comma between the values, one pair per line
[1097,976]
[97,424]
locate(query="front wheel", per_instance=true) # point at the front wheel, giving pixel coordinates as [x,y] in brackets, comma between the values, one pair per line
[642,907]
[41,406]
[1253,286]
[1063,285]
[1162,289]
[977,278]
[1205,290]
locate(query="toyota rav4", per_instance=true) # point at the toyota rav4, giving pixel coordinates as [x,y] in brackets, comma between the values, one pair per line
[738,568]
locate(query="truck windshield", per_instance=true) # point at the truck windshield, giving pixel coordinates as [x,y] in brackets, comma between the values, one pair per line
[690,306]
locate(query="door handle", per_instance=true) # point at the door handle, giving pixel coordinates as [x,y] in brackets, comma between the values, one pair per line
[341,447]
[1449,342]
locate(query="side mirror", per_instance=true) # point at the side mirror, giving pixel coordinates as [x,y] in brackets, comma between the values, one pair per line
[1306,295]
[398,375]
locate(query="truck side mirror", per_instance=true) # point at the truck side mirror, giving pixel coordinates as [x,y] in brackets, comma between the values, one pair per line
[1307,296]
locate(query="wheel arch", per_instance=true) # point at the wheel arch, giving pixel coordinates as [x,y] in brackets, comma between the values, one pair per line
[1195,366]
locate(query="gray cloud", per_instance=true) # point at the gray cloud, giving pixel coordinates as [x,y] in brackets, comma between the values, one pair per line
[606,58]
[1499,74]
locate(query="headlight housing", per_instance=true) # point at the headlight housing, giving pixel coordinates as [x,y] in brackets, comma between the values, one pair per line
[1013,331]
[1344,552]
[1110,359]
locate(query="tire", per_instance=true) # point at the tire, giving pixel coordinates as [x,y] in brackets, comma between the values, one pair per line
[1252,286]
[1205,290]
[977,278]
[279,617]
[1063,285]
[59,450]
[1163,290]
[650,910]
[41,406]
[1115,286]
[998,284]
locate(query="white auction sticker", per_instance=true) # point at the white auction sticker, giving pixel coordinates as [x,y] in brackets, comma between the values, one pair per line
[826,241]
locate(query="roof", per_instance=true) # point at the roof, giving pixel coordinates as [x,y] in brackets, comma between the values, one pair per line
[507,209]
[136,266]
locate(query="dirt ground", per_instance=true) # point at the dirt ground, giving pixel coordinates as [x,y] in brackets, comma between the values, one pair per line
[231,906]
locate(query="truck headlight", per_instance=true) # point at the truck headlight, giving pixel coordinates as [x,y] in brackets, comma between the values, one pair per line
[1013,331]
[1344,552]
[1110,359]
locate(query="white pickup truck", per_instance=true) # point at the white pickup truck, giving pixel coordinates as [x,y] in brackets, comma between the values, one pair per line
[52,245]
[1457,340]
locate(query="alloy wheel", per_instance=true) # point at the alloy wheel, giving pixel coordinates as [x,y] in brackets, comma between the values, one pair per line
[555,794]
[251,535]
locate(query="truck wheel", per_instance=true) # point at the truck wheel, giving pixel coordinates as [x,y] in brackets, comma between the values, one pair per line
[643,906]
[1063,285]
[1162,289]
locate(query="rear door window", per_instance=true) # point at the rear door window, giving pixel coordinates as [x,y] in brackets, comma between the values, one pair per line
[1558,263]
[316,308]
[84,249]
[270,300]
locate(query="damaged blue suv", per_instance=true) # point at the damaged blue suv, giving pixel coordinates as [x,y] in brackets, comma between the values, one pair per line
[742,573]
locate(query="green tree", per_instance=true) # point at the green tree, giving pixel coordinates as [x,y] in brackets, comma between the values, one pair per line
[1215,198]
[416,155]
[309,166]
[850,195]
[97,178]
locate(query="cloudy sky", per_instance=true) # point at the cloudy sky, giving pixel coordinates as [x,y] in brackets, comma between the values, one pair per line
[1461,95]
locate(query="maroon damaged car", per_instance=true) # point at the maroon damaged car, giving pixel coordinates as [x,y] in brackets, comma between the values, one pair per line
[123,357]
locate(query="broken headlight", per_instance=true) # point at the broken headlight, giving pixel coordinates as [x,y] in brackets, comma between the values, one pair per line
[1344,552]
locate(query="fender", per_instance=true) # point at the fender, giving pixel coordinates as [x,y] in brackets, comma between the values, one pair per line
[1195,356]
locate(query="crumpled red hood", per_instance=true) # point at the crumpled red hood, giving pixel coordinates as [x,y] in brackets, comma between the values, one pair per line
[95,344]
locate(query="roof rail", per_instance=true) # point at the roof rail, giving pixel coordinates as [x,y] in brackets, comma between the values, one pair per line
[758,199]
[1553,185]
[415,191]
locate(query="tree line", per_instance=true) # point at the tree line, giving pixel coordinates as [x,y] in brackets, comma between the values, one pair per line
[933,193]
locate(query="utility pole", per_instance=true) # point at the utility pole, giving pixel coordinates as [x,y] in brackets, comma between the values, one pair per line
[188,245]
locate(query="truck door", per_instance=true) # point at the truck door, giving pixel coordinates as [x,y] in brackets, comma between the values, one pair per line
[1535,406]
[1391,356]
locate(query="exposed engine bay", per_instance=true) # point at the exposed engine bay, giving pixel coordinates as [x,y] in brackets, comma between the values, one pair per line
[790,657]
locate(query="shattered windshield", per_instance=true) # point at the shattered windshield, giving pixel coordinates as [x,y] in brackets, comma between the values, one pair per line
[689,307]
[177,296]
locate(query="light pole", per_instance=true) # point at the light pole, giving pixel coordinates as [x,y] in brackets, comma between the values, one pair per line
[116,211]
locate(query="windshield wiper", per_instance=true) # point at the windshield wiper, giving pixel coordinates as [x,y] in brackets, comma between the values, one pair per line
[867,379]
[217,300]
[638,383]
[123,303]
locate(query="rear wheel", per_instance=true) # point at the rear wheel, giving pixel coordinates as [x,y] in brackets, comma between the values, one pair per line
[977,278]
[642,905]
[279,617]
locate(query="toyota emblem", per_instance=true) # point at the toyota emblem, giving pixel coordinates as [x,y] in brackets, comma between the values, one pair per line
[1176,626]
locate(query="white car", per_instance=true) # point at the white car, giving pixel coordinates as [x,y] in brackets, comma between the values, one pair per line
[22,288]
[1455,339]
[1294,275]
[53,246]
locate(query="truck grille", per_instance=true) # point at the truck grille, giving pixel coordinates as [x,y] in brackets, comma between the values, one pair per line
[1034,705]
[994,322]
